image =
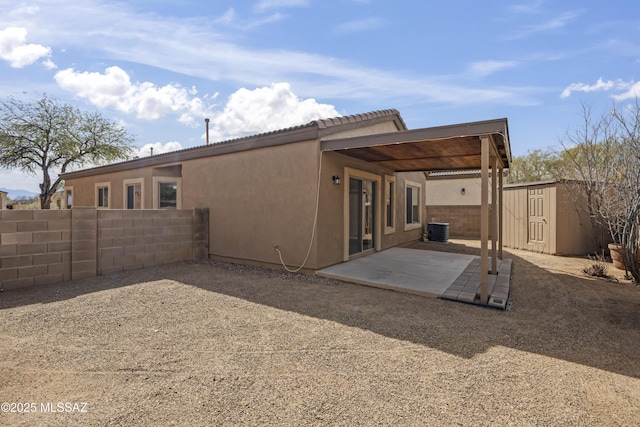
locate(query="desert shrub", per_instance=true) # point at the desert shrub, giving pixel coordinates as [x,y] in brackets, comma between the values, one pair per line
[598,268]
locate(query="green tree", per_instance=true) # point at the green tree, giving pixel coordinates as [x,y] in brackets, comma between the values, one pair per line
[46,137]
[536,165]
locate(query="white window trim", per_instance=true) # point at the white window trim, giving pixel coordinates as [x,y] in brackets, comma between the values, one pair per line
[415,225]
[68,188]
[166,179]
[132,181]
[106,185]
[388,179]
[356,173]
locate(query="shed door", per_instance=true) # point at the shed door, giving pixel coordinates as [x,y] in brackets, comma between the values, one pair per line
[538,217]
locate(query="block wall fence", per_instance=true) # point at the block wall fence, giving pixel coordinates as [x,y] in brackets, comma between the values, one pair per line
[464,221]
[40,247]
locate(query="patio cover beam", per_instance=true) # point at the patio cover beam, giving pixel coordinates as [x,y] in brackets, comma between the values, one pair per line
[484,221]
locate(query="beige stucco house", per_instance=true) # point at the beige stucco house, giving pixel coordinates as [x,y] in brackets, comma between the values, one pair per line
[312,195]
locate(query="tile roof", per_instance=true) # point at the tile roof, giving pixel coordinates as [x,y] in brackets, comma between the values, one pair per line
[462,173]
[310,130]
[355,118]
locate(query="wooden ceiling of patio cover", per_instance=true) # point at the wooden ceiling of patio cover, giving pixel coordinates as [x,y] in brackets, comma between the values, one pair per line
[427,155]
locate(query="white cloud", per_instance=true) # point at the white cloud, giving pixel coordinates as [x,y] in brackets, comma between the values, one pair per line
[265,109]
[13,48]
[24,10]
[556,23]
[632,93]
[114,89]
[159,148]
[526,8]
[600,85]
[49,64]
[207,52]
[360,25]
[230,20]
[484,68]
[271,4]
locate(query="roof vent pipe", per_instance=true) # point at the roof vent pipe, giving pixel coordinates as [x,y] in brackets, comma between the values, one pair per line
[151,151]
[206,121]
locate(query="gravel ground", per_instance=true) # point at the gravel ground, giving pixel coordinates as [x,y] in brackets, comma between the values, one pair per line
[219,344]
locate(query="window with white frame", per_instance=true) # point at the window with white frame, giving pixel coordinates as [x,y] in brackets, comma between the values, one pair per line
[167,193]
[389,204]
[133,193]
[68,192]
[103,195]
[413,203]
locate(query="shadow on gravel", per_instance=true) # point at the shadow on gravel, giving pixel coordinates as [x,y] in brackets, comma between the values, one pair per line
[577,319]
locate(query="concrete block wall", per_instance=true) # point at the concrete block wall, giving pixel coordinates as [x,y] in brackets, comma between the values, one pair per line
[35,247]
[464,221]
[130,239]
[201,233]
[40,247]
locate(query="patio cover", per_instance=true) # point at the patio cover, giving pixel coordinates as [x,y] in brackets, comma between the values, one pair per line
[477,145]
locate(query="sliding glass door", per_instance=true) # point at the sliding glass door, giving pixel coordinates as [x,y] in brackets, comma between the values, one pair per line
[362,209]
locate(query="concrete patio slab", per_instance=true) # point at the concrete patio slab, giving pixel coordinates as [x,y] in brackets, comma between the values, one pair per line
[409,270]
[445,275]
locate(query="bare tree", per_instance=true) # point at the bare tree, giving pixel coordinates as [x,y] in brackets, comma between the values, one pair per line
[624,212]
[589,159]
[45,137]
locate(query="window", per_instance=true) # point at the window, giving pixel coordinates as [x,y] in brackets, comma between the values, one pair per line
[390,204]
[133,193]
[413,205]
[68,196]
[167,193]
[103,195]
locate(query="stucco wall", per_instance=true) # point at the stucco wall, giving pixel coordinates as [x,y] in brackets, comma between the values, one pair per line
[261,197]
[448,191]
[331,218]
[257,198]
[385,127]
[84,189]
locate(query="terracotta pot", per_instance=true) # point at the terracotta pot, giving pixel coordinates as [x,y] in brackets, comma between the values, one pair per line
[616,255]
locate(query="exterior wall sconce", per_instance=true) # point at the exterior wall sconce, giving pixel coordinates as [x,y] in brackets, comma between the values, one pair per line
[336,179]
[462,191]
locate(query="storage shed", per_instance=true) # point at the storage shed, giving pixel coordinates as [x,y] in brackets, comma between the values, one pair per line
[548,217]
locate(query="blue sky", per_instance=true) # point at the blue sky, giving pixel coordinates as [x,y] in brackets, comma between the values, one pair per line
[160,68]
